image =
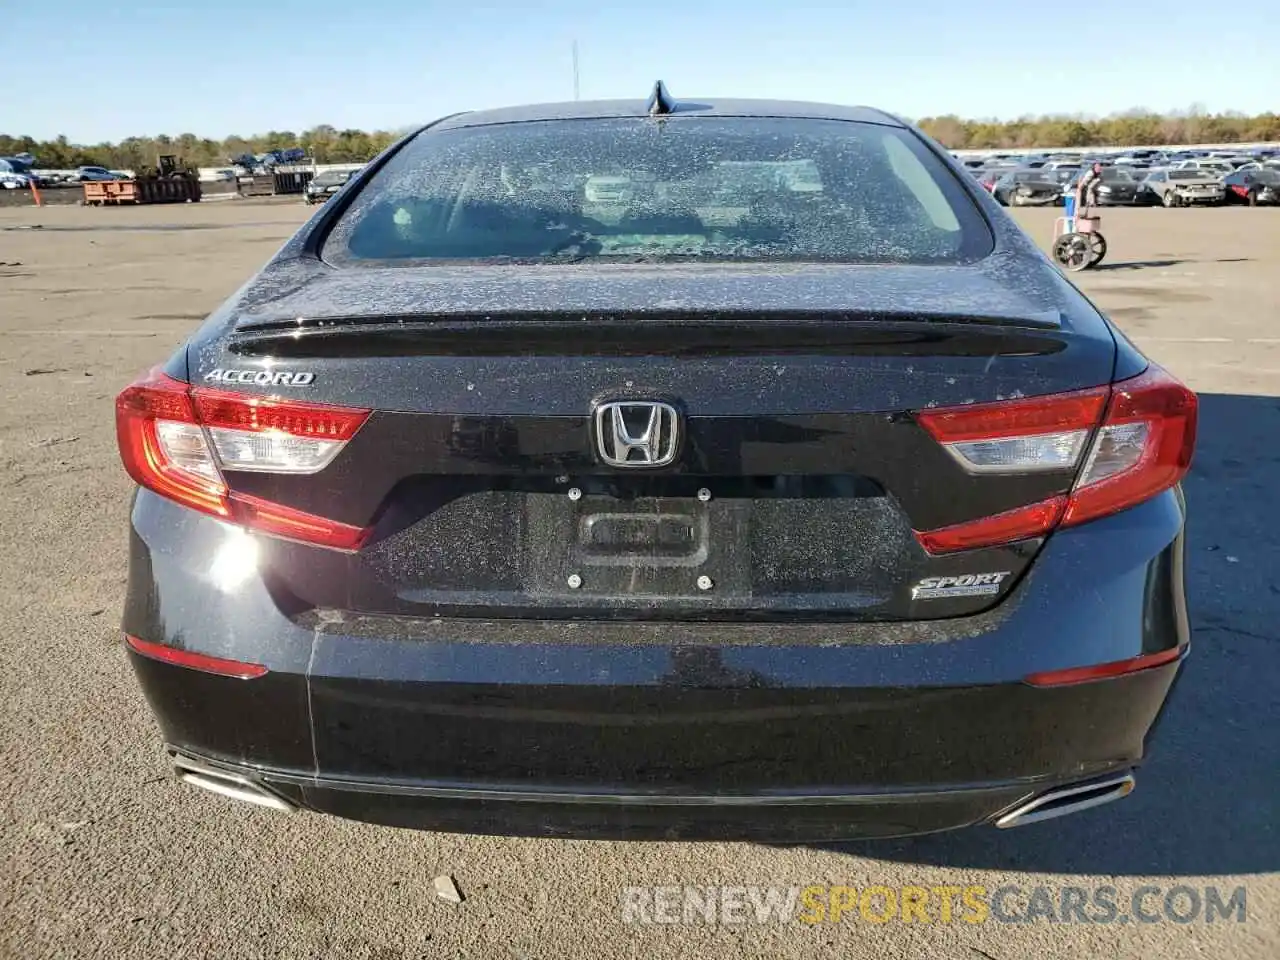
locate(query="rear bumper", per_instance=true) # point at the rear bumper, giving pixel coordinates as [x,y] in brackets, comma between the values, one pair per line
[1201,197]
[798,731]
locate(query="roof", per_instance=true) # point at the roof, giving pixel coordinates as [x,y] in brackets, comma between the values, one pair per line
[603,109]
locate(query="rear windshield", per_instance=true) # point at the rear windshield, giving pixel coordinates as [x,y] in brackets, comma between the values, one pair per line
[629,190]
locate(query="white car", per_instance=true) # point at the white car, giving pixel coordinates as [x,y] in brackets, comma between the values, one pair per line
[14,181]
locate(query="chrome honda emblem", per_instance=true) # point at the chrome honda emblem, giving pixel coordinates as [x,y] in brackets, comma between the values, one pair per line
[637,433]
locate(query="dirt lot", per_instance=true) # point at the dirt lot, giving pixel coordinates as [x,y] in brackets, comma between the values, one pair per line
[104,855]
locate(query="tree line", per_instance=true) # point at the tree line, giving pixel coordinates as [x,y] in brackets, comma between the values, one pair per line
[326,144]
[330,145]
[1135,128]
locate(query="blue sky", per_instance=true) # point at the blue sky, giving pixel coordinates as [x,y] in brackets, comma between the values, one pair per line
[94,70]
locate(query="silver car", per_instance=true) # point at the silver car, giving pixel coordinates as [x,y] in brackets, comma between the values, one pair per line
[1178,188]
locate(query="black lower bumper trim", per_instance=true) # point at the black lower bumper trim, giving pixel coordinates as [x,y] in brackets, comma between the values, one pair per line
[791,816]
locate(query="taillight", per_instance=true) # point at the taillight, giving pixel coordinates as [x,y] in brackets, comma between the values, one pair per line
[1142,446]
[163,448]
[1018,436]
[274,436]
[1018,524]
[176,441]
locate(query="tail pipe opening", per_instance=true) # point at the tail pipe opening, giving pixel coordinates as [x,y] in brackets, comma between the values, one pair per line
[1062,801]
[223,783]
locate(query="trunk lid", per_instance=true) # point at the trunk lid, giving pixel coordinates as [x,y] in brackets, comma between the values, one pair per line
[798,477]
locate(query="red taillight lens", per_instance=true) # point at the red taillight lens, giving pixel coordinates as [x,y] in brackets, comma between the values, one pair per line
[176,441]
[264,435]
[287,522]
[1019,524]
[1016,418]
[152,415]
[1142,446]
[1018,436]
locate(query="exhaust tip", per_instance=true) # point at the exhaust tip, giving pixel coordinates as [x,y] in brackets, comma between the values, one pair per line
[1062,801]
[226,784]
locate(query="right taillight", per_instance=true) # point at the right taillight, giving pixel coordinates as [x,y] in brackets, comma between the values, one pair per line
[1143,434]
[1143,446]
[176,441]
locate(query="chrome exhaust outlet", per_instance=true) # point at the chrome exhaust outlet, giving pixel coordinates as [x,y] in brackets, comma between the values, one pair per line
[225,784]
[1065,800]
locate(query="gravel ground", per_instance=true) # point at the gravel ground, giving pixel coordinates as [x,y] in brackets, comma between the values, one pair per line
[105,855]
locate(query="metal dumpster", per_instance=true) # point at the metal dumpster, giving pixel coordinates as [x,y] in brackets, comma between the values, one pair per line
[291,181]
[167,190]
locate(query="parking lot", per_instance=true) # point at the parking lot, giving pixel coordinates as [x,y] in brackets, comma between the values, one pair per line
[104,854]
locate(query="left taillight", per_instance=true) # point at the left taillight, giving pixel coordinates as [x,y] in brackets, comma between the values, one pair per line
[176,441]
[163,447]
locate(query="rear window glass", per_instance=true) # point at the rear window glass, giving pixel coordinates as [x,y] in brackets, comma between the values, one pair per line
[630,190]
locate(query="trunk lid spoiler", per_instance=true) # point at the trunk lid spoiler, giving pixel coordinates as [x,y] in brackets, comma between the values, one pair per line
[301,294]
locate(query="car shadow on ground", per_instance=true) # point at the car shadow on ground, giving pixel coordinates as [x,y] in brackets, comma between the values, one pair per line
[1208,796]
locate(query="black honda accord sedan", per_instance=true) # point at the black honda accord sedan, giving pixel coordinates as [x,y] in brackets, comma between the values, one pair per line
[659,469]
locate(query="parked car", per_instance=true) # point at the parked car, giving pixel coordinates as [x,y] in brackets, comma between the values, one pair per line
[324,185]
[455,517]
[1182,187]
[17,171]
[20,164]
[87,174]
[1027,188]
[1254,187]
